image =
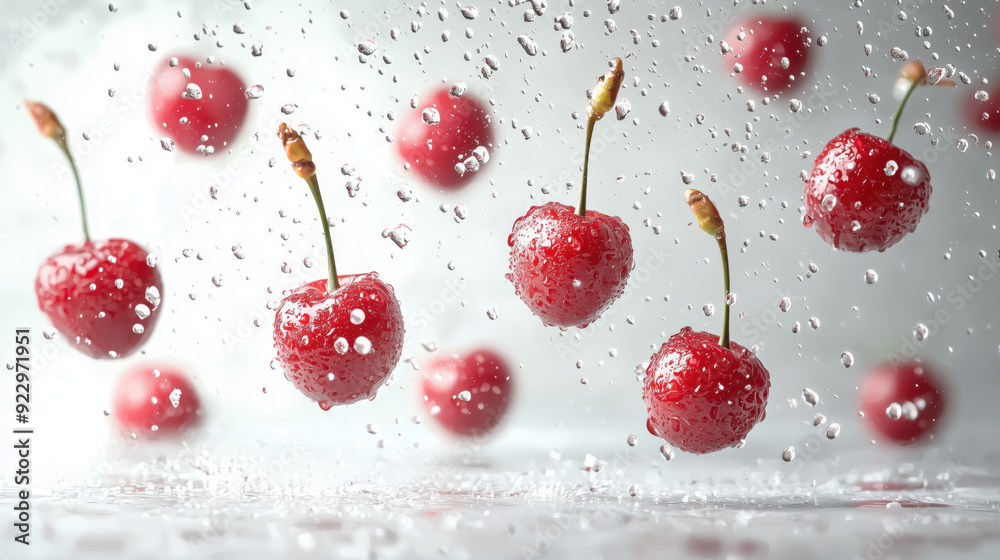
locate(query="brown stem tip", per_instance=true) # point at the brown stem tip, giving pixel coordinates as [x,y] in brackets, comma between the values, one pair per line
[709,219]
[46,120]
[605,93]
[297,152]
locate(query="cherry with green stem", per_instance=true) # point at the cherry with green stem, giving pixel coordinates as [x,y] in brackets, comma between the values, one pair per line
[339,338]
[568,266]
[103,296]
[703,392]
[865,193]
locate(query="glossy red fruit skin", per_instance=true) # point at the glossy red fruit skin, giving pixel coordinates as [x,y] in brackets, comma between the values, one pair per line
[983,116]
[551,247]
[767,41]
[901,383]
[308,324]
[142,401]
[63,287]
[219,114]
[485,375]
[685,403]
[852,168]
[433,150]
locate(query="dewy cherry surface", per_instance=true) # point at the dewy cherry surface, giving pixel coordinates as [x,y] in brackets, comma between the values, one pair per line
[701,396]
[339,347]
[103,296]
[568,268]
[442,132]
[865,193]
[468,396]
[155,402]
[206,107]
[903,403]
[772,53]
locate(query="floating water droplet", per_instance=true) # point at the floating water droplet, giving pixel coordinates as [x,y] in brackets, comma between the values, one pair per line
[911,175]
[667,453]
[492,313]
[465,396]
[631,440]
[367,47]
[819,419]
[920,332]
[400,235]
[431,116]
[788,454]
[254,92]
[894,411]
[708,309]
[828,203]
[665,108]
[142,311]
[871,276]
[470,12]
[810,396]
[832,431]
[847,359]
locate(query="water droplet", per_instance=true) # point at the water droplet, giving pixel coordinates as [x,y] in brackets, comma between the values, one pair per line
[894,411]
[920,332]
[810,396]
[814,322]
[667,453]
[982,96]
[795,105]
[871,276]
[367,47]
[832,431]
[340,345]
[153,296]
[137,328]
[362,345]
[788,454]
[430,116]
[492,313]
[665,108]
[470,12]
[528,44]
[708,309]
[911,175]
[921,128]
[819,419]
[847,359]
[400,235]
[891,167]
[357,316]
[254,92]
[142,311]
[465,396]
[829,203]
[217,280]
[257,49]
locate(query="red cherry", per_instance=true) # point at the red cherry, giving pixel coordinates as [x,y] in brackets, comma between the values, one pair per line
[773,53]
[155,402]
[97,293]
[909,392]
[217,113]
[702,397]
[339,347]
[433,150]
[485,378]
[569,268]
[983,115]
[865,193]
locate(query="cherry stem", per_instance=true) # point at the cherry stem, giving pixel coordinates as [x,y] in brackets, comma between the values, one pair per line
[899,110]
[724,250]
[581,209]
[333,284]
[79,186]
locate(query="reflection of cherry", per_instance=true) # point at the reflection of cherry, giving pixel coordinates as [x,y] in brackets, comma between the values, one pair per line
[468,396]
[441,134]
[569,267]
[339,338]
[865,193]
[903,403]
[704,393]
[195,104]
[103,296]
[155,402]
[771,52]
